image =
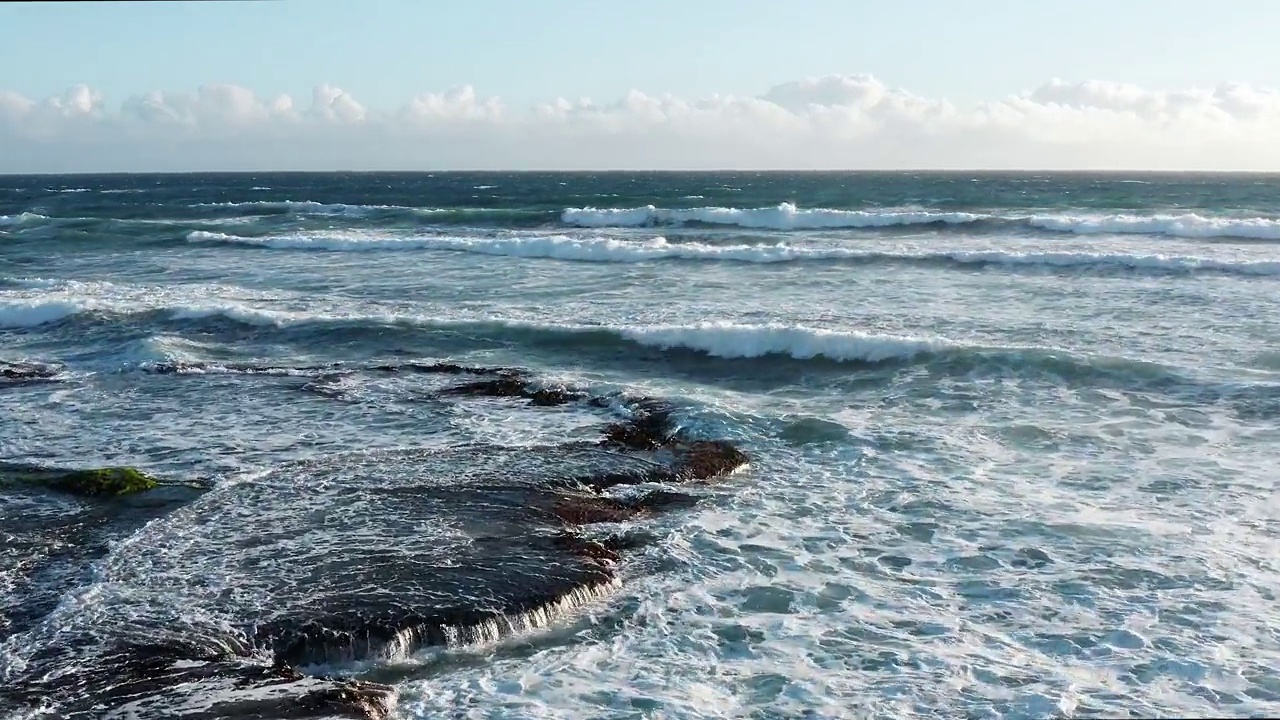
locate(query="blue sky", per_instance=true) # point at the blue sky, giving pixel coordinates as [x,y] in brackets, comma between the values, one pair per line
[384,51]
[497,84]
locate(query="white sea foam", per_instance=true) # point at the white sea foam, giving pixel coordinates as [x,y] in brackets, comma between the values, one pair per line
[501,627]
[303,207]
[735,340]
[785,216]
[617,250]
[198,368]
[20,219]
[718,339]
[45,300]
[1163,263]
[562,247]
[35,282]
[241,312]
[210,236]
[725,340]
[31,313]
[1189,225]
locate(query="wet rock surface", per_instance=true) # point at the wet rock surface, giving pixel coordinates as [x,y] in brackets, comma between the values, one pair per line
[49,539]
[91,482]
[236,601]
[22,373]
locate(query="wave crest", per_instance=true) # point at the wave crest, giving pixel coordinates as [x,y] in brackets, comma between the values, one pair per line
[787,216]
[21,219]
[724,340]
[1187,225]
[33,313]
[615,250]
[306,207]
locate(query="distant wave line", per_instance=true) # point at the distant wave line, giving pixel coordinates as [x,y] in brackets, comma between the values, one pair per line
[788,216]
[616,250]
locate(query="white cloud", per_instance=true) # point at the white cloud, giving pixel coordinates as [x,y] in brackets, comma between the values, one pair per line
[332,104]
[213,107]
[828,122]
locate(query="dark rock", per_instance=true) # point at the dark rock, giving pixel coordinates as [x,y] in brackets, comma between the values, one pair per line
[160,682]
[665,500]
[327,385]
[649,428]
[589,547]
[707,459]
[1032,557]
[516,386]
[357,557]
[581,510]
[97,482]
[448,369]
[21,373]
[653,473]
[48,541]
[183,367]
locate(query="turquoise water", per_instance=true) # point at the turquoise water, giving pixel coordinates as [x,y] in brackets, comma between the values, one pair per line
[1012,436]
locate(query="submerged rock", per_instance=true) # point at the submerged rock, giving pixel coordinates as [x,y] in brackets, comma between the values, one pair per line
[706,459]
[157,682]
[499,382]
[337,560]
[182,367]
[19,373]
[359,557]
[95,482]
[50,540]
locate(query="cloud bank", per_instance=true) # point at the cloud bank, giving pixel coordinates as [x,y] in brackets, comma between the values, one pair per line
[831,122]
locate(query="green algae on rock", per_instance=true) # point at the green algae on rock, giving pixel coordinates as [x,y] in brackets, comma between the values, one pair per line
[115,481]
[94,482]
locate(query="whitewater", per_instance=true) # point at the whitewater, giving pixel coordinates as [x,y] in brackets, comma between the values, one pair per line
[1007,444]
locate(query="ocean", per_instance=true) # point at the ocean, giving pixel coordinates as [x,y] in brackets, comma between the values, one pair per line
[1009,445]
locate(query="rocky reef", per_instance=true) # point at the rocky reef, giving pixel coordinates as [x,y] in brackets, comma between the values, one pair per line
[94,482]
[22,373]
[235,606]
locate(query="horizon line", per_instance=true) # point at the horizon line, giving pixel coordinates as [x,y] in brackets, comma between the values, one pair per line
[562,171]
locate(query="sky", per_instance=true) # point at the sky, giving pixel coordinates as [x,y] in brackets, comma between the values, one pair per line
[512,84]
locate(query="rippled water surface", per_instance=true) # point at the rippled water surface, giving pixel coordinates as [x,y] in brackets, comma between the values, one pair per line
[1012,437]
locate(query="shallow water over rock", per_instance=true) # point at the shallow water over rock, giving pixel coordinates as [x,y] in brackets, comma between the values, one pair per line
[359,557]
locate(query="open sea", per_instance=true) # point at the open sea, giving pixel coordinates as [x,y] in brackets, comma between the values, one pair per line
[1012,444]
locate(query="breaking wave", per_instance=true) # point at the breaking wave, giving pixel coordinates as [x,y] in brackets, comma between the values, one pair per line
[32,313]
[499,215]
[291,206]
[1189,225]
[717,339]
[725,340]
[783,217]
[615,250]
[787,216]
[21,219]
